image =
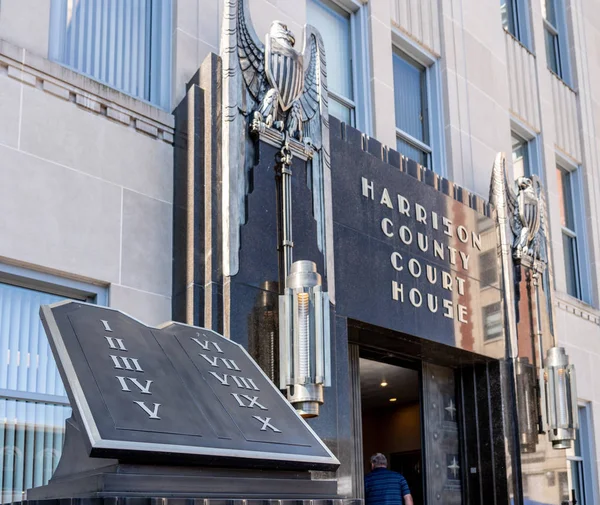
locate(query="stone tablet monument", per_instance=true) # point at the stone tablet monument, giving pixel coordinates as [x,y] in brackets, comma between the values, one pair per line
[177,411]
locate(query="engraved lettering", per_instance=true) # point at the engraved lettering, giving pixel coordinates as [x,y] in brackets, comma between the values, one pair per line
[403,206]
[252,399]
[229,363]
[385,199]
[476,240]
[106,326]
[244,383]
[266,424]
[119,346]
[367,189]
[462,233]
[212,361]
[420,214]
[386,224]
[152,414]
[145,390]
[122,362]
[206,343]
[397,291]
[224,381]
[124,386]
[465,260]
[396,259]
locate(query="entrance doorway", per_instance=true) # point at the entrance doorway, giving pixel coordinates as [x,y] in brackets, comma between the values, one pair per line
[391,419]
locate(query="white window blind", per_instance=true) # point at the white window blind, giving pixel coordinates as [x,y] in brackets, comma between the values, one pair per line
[125,44]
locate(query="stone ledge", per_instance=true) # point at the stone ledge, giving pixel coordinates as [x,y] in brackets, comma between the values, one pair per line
[64,83]
[580,309]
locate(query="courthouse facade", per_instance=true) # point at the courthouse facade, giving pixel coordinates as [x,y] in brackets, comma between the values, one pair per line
[91,122]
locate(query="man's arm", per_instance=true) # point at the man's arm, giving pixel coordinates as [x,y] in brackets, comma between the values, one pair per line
[408,500]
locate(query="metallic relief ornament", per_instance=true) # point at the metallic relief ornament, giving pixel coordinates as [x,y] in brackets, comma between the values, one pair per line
[527,208]
[279,94]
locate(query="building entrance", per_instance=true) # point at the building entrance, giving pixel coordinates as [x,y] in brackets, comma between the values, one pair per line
[391,419]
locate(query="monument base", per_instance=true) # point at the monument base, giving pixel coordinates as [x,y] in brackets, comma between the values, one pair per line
[186,482]
[81,476]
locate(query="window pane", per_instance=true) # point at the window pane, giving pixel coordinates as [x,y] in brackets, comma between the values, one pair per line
[578,482]
[341,111]
[26,362]
[492,321]
[506,12]
[571,270]
[410,97]
[552,54]
[412,152]
[520,157]
[334,25]
[565,201]
[549,12]
[32,437]
[124,44]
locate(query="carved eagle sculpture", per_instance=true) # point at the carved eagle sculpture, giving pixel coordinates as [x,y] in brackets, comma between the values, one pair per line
[270,85]
[526,212]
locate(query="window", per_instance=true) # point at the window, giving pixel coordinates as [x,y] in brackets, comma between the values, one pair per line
[492,321]
[343,31]
[521,157]
[33,402]
[567,188]
[555,29]
[412,116]
[515,19]
[582,462]
[123,44]
[488,268]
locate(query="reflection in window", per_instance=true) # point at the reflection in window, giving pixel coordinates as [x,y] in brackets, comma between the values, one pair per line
[410,98]
[33,416]
[32,436]
[520,157]
[556,38]
[514,19]
[126,45]
[569,235]
[488,268]
[492,321]
[334,25]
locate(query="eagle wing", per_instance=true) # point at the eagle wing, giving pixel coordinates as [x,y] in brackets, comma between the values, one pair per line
[540,232]
[251,52]
[502,194]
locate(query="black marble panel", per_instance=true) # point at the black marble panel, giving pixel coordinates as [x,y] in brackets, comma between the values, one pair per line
[408,256]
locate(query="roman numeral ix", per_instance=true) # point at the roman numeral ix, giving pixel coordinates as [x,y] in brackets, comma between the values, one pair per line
[252,399]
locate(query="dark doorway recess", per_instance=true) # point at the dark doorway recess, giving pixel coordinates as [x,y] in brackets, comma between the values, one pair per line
[453,390]
[391,417]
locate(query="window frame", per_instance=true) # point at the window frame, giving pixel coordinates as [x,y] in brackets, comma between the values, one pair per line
[47,283]
[581,259]
[560,34]
[359,63]
[519,14]
[585,460]
[433,90]
[160,82]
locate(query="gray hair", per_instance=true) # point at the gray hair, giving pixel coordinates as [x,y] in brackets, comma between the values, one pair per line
[379,460]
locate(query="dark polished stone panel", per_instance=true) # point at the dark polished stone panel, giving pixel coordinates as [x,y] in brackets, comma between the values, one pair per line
[181,390]
[409,256]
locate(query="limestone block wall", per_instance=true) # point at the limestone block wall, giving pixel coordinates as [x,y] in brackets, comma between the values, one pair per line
[85,183]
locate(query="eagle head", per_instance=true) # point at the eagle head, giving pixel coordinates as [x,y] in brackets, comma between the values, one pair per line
[280,32]
[524,182]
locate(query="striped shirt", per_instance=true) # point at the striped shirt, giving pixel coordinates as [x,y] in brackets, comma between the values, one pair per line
[384,487]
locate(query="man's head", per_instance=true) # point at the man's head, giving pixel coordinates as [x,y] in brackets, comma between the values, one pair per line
[378,461]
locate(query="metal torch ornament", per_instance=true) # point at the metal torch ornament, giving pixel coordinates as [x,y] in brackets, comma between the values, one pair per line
[521,215]
[304,339]
[561,398]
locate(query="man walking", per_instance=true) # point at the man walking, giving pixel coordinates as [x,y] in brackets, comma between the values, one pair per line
[384,487]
